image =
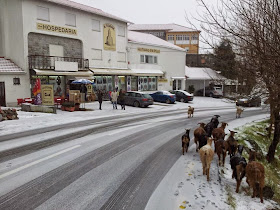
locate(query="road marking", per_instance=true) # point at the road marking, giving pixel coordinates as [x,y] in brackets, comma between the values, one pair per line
[38,161]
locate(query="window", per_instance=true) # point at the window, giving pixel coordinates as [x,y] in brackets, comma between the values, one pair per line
[70,19]
[148,59]
[95,25]
[194,37]
[170,37]
[16,81]
[186,37]
[43,13]
[161,33]
[121,31]
[179,37]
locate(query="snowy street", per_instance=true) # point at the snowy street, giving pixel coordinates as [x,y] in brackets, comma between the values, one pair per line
[115,159]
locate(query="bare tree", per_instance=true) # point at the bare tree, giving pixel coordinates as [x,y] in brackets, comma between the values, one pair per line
[253,30]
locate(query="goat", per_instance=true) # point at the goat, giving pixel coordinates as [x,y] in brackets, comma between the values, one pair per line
[239,110]
[231,144]
[190,111]
[211,125]
[255,175]
[238,165]
[199,136]
[219,133]
[221,150]
[186,141]
[206,156]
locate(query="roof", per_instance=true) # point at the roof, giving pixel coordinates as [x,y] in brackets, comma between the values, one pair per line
[7,66]
[86,8]
[198,73]
[172,27]
[149,39]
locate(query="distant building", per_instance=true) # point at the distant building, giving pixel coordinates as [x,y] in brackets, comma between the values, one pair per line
[200,60]
[181,36]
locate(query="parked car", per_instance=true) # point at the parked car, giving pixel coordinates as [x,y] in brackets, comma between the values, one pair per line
[249,101]
[164,96]
[137,99]
[215,92]
[182,95]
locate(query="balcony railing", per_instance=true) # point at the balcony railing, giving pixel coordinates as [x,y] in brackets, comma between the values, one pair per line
[48,62]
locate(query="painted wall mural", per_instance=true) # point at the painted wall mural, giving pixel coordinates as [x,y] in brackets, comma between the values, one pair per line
[109,37]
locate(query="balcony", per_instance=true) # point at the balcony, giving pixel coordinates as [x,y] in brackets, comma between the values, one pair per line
[48,62]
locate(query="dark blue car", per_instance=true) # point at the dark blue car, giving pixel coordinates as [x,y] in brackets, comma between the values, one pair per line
[164,96]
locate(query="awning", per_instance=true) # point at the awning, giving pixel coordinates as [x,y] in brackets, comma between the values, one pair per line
[178,77]
[147,72]
[111,71]
[200,73]
[63,73]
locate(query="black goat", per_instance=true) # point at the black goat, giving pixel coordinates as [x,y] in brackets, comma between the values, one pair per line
[186,141]
[238,165]
[202,140]
[211,125]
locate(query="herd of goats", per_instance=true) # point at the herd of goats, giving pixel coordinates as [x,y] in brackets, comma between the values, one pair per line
[203,137]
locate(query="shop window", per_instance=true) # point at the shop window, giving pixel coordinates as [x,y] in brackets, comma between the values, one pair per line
[70,19]
[179,85]
[43,13]
[16,81]
[95,25]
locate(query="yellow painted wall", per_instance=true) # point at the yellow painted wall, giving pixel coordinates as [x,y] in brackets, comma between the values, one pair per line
[193,48]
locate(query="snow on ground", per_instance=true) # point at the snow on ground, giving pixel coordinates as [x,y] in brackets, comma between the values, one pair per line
[184,186]
[34,120]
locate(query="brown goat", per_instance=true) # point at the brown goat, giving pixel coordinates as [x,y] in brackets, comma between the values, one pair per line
[190,111]
[219,133]
[255,175]
[185,141]
[221,150]
[231,144]
[198,133]
[206,156]
[239,111]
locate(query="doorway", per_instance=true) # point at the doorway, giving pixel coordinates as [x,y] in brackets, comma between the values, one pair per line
[2,94]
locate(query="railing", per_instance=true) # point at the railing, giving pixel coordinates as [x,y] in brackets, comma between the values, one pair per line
[48,62]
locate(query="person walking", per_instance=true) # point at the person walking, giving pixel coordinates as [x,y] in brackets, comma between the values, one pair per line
[114,97]
[122,99]
[83,90]
[100,98]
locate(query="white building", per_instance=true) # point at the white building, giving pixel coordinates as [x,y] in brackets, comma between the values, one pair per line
[59,41]
[154,60]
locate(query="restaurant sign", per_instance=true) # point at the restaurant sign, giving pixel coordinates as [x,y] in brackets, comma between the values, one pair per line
[141,49]
[58,29]
[47,95]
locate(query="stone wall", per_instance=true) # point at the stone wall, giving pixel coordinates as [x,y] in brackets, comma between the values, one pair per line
[38,44]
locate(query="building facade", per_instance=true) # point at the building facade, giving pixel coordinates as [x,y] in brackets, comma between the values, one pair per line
[181,36]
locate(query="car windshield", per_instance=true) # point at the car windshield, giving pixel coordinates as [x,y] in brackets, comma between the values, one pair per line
[185,92]
[166,92]
[146,96]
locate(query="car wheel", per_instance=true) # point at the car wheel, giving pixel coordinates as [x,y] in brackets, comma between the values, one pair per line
[168,101]
[211,95]
[182,100]
[136,104]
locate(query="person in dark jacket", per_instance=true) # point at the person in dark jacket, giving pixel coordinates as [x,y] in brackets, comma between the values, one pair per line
[122,99]
[100,98]
[83,90]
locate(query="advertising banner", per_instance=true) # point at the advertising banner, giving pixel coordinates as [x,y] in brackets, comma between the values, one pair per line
[47,95]
[37,92]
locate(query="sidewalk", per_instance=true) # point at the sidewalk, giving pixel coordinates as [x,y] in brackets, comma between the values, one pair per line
[33,120]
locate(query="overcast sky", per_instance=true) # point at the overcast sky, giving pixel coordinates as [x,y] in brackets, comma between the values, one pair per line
[150,11]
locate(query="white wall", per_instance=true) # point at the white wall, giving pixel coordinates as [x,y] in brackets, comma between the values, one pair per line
[91,39]
[170,61]
[12,91]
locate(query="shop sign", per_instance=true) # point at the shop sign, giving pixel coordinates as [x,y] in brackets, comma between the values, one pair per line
[58,29]
[47,95]
[109,37]
[141,49]
[162,80]
[89,88]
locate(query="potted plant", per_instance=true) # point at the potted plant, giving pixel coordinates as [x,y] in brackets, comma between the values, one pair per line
[68,106]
